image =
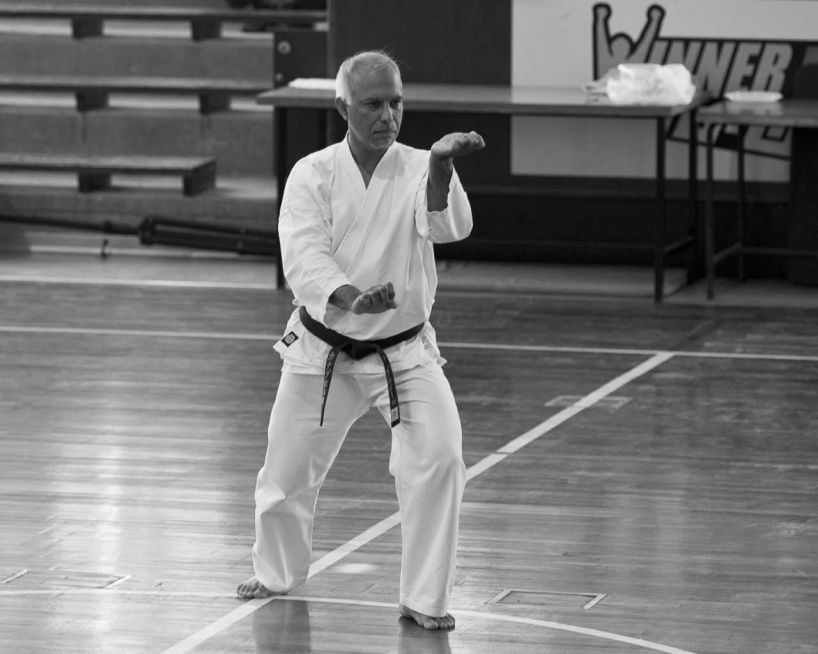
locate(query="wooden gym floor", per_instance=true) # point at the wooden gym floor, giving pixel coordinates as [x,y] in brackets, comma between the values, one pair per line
[641,478]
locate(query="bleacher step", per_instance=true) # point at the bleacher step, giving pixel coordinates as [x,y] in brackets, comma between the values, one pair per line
[241,141]
[88,20]
[92,92]
[94,172]
[248,202]
[22,54]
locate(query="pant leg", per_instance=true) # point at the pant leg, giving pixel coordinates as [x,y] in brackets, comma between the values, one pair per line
[430,478]
[299,455]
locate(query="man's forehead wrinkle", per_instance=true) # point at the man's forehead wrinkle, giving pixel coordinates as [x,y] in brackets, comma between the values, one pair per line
[376,96]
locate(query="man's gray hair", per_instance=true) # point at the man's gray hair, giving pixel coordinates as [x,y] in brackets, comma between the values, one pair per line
[366,59]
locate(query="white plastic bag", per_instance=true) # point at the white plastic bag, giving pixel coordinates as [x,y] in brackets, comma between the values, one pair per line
[670,84]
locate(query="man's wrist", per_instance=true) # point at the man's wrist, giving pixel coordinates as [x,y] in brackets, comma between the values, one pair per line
[343,296]
[441,168]
[437,186]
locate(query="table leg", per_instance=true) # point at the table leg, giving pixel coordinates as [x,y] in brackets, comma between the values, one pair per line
[659,227]
[709,247]
[693,192]
[742,201]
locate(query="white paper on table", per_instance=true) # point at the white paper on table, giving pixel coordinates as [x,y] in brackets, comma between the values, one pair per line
[318,83]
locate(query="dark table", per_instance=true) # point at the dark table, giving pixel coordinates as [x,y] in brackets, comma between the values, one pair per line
[786,113]
[524,101]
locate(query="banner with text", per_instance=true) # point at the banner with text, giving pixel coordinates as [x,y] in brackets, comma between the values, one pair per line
[727,45]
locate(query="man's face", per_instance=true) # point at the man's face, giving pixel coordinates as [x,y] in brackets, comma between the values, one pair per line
[375,109]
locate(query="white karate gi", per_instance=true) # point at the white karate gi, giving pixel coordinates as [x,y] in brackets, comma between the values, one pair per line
[334,230]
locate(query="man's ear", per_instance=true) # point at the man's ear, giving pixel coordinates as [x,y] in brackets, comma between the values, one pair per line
[342,108]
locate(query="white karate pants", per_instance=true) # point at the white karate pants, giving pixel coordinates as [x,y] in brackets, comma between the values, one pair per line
[426,462]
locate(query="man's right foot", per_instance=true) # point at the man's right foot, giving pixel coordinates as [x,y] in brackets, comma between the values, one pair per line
[443,622]
[252,588]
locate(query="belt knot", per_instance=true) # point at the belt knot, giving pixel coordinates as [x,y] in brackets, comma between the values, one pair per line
[357,350]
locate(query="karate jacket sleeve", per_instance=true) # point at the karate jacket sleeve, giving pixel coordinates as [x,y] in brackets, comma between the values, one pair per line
[454,223]
[304,230]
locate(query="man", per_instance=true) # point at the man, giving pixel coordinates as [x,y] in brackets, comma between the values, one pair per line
[357,224]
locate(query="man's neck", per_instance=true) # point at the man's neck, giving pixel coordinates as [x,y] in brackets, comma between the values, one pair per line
[366,160]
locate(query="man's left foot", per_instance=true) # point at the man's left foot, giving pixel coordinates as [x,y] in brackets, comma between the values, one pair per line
[252,588]
[445,622]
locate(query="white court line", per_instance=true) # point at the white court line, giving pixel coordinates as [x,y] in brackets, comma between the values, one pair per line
[356,543]
[484,464]
[595,633]
[483,615]
[595,601]
[393,520]
[113,251]
[148,283]
[585,403]
[256,604]
[115,591]
[136,333]
[152,333]
[119,581]
[629,351]
[16,575]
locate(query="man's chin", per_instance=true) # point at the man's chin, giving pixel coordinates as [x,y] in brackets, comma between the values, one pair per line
[383,141]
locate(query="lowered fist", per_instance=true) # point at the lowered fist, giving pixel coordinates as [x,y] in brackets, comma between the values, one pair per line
[375,299]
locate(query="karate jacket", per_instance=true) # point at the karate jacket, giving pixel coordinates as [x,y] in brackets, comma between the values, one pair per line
[334,230]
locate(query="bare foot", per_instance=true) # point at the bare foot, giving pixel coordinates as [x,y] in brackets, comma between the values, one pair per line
[252,588]
[428,621]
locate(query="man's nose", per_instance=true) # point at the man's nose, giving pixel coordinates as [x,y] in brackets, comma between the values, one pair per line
[386,113]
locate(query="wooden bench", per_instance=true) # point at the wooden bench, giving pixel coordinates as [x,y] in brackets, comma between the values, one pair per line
[94,171]
[92,92]
[88,20]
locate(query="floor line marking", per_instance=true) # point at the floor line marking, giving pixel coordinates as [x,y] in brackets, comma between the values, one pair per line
[393,520]
[356,543]
[148,333]
[16,575]
[117,582]
[595,601]
[482,615]
[249,607]
[147,283]
[627,351]
[484,464]
[113,251]
[585,403]
[214,628]
[257,604]
[115,589]
[153,333]
[585,631]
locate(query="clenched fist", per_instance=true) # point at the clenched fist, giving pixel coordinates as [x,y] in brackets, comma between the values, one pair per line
[375,299]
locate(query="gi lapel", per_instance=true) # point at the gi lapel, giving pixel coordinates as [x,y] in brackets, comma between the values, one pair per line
[362,231]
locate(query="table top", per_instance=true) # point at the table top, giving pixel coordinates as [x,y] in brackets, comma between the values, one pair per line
[789,112]
[488,99]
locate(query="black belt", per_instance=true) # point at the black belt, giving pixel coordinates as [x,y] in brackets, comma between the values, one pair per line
[357,350]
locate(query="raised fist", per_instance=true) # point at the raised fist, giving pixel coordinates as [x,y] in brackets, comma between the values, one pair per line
[458,144]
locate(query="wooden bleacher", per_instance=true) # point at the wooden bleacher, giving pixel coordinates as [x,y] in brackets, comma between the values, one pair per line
[117,130]
[88,20]
[92,91]
[94,172]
